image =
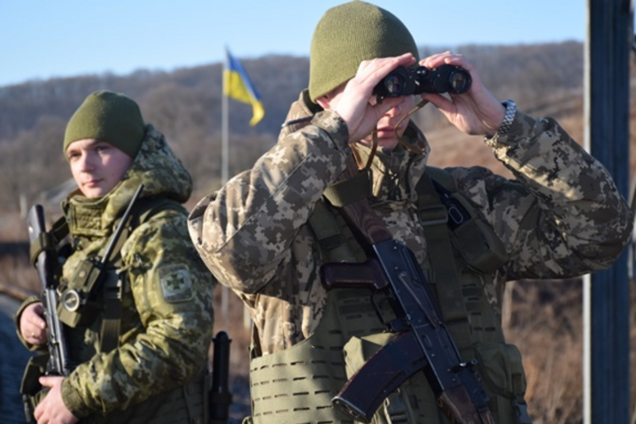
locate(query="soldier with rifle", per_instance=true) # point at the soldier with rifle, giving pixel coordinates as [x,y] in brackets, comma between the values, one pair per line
[124,322]
[374,281]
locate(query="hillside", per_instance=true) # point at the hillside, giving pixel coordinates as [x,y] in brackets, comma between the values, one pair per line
[186,106]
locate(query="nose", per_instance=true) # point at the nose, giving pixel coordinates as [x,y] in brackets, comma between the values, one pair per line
[85,162]
[394,111]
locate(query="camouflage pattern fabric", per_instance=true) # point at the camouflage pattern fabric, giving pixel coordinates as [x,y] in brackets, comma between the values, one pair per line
[167,316]
[561,217]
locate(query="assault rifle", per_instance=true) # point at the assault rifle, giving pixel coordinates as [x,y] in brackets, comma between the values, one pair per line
[46,263]
[423,342]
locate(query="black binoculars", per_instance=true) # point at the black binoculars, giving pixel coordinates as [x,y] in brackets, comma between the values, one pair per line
[404,81]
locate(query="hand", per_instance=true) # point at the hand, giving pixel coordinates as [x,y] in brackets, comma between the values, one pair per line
[52,409]
[475,112]
[355,102]
[33,325]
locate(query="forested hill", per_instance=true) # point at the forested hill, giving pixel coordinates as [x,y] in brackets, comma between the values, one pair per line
[186,105]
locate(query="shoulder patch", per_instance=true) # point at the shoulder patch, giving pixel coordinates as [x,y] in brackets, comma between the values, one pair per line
[176,285]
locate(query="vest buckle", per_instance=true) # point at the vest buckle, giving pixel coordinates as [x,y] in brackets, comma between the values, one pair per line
[432,215]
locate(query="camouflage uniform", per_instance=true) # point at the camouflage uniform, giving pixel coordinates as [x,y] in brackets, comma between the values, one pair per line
[167,313]
[562,217]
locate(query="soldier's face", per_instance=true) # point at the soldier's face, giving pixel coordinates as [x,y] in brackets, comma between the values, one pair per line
[386,132]
[97,166]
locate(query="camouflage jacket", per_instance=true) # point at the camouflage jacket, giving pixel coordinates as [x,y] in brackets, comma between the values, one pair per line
[562,216]
[167,315]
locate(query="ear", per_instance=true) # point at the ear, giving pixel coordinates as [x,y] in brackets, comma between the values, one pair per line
[324,101]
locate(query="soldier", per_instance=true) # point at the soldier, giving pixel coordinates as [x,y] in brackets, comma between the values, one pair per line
[150,368]
[267,232]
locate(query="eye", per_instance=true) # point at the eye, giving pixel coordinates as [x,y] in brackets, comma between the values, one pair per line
[102,148]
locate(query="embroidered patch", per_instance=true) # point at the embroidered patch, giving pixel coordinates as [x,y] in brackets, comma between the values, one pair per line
[176,285]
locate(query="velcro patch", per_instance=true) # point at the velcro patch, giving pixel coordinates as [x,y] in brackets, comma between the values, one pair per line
[176,284]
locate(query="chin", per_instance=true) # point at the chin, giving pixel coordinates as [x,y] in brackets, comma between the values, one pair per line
[387,145]
[92,193]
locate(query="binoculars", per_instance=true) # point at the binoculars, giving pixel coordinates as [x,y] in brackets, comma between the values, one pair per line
[404,81]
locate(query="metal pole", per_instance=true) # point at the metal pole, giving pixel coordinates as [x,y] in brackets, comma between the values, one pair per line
[224,173]
[606,294]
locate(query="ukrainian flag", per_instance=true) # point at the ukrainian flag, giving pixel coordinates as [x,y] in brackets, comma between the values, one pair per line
[238,86]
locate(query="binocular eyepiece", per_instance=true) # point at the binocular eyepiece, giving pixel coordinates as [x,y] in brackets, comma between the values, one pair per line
[404,81]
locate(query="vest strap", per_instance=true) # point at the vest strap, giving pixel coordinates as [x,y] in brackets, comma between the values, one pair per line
[113,287]
[434,218]
[350,190]
[334,236]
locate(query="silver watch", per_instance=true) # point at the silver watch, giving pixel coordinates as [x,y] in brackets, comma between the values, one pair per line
[511,111]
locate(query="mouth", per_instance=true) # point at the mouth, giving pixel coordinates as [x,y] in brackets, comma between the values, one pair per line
[384,132]
[91,183]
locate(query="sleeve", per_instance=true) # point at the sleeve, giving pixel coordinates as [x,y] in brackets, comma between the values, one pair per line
[562,216]
[18,315]
[172,293]
[243,232]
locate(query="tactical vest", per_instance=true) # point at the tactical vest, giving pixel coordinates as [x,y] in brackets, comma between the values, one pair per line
[296,385]
[101,312]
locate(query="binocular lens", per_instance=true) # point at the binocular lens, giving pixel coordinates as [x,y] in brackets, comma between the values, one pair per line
[459,81]
[394,84]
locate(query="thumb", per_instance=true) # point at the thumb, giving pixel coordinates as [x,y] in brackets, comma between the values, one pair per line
[47,381]
[373,112]
[388,103]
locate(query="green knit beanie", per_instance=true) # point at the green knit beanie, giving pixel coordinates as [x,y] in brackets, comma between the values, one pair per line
[348,34]
[110,117]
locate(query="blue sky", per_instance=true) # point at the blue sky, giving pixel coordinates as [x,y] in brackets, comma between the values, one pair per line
[42,39]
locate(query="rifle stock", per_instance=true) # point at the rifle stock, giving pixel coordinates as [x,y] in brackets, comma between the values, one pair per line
[45,264]
[424,345]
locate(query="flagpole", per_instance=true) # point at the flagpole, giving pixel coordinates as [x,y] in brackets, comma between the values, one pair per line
[239,88]
[224,172]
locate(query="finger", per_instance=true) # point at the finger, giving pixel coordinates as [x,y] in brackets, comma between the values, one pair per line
[387,104]
[37,413]
[435,60]
[33,318]
[459,60]
[439,101]
[373,71]
[446,58]
[46,381]
[34,323]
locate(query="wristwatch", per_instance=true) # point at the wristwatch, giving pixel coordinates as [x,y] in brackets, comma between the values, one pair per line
[509,117]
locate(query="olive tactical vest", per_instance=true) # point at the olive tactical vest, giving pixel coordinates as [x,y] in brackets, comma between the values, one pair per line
[296,385]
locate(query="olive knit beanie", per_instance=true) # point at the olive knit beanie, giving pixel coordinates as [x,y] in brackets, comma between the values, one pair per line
[348,34]
[107,116]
